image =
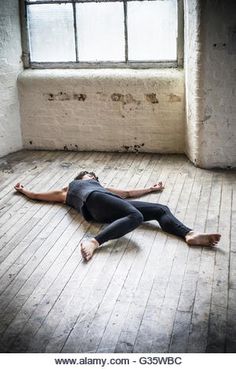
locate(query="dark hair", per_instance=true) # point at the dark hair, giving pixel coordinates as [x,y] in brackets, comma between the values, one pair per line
[81,174]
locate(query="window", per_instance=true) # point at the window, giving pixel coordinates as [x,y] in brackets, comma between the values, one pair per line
[89,33]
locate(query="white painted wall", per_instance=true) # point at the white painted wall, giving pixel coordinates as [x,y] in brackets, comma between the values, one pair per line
[218,122]
[210,67]
[192,66]
[10,66]
[108,110]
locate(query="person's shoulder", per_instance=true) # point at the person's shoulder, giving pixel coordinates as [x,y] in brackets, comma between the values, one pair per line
[74,183]
[92,180]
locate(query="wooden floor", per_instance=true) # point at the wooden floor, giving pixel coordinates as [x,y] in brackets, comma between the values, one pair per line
[146,292]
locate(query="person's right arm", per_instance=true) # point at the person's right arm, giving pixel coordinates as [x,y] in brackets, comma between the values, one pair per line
[53,196]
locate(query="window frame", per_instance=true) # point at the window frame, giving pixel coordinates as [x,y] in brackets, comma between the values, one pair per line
[28,64]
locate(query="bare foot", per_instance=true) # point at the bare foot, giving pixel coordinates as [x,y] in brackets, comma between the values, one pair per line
[202,239]
[88,247]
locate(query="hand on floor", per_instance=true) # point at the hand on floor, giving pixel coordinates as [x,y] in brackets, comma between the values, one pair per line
[19,187]
[157,187]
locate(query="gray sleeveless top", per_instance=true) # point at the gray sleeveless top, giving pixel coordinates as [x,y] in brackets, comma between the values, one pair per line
[78,193]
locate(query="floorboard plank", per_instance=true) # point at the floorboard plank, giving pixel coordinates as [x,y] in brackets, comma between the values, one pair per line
[159,303]
[202,303]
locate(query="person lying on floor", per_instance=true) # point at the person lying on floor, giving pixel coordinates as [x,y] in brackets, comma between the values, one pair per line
[110,205]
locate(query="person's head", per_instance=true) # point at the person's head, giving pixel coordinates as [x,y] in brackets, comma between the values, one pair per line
[86,175]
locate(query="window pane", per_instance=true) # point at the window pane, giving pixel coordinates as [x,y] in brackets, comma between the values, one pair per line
[152,30]
[100,31]
[51,33]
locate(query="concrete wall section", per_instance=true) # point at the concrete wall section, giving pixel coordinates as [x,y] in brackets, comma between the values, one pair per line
[108,110]
[210,67]
[218,123]
[192,65]
[10,66]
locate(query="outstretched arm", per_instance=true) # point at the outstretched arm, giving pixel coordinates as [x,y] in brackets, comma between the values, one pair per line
[54,196]
[137,192]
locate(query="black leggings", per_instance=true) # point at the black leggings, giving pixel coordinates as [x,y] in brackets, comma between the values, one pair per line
[126,215]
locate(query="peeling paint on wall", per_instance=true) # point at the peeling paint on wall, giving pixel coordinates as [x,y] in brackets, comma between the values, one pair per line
[125,99]
[152,98]
[80,97]
[64,96]
[133,148]
[174,98]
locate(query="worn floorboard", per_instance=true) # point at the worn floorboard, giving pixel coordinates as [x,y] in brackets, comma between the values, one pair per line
[146,292]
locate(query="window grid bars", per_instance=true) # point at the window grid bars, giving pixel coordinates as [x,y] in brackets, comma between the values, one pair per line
[75,32]
[140,64]
[126,31]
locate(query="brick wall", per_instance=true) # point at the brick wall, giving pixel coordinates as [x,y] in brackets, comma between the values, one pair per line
[210,60]
[10,66]
[108,110]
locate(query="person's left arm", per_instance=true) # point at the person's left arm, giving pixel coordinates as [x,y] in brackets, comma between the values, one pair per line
[137,192]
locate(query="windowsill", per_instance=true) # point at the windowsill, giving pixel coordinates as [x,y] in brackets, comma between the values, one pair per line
[103,73]
[105,65]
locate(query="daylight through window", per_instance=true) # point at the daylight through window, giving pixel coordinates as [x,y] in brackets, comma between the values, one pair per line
[101,31]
